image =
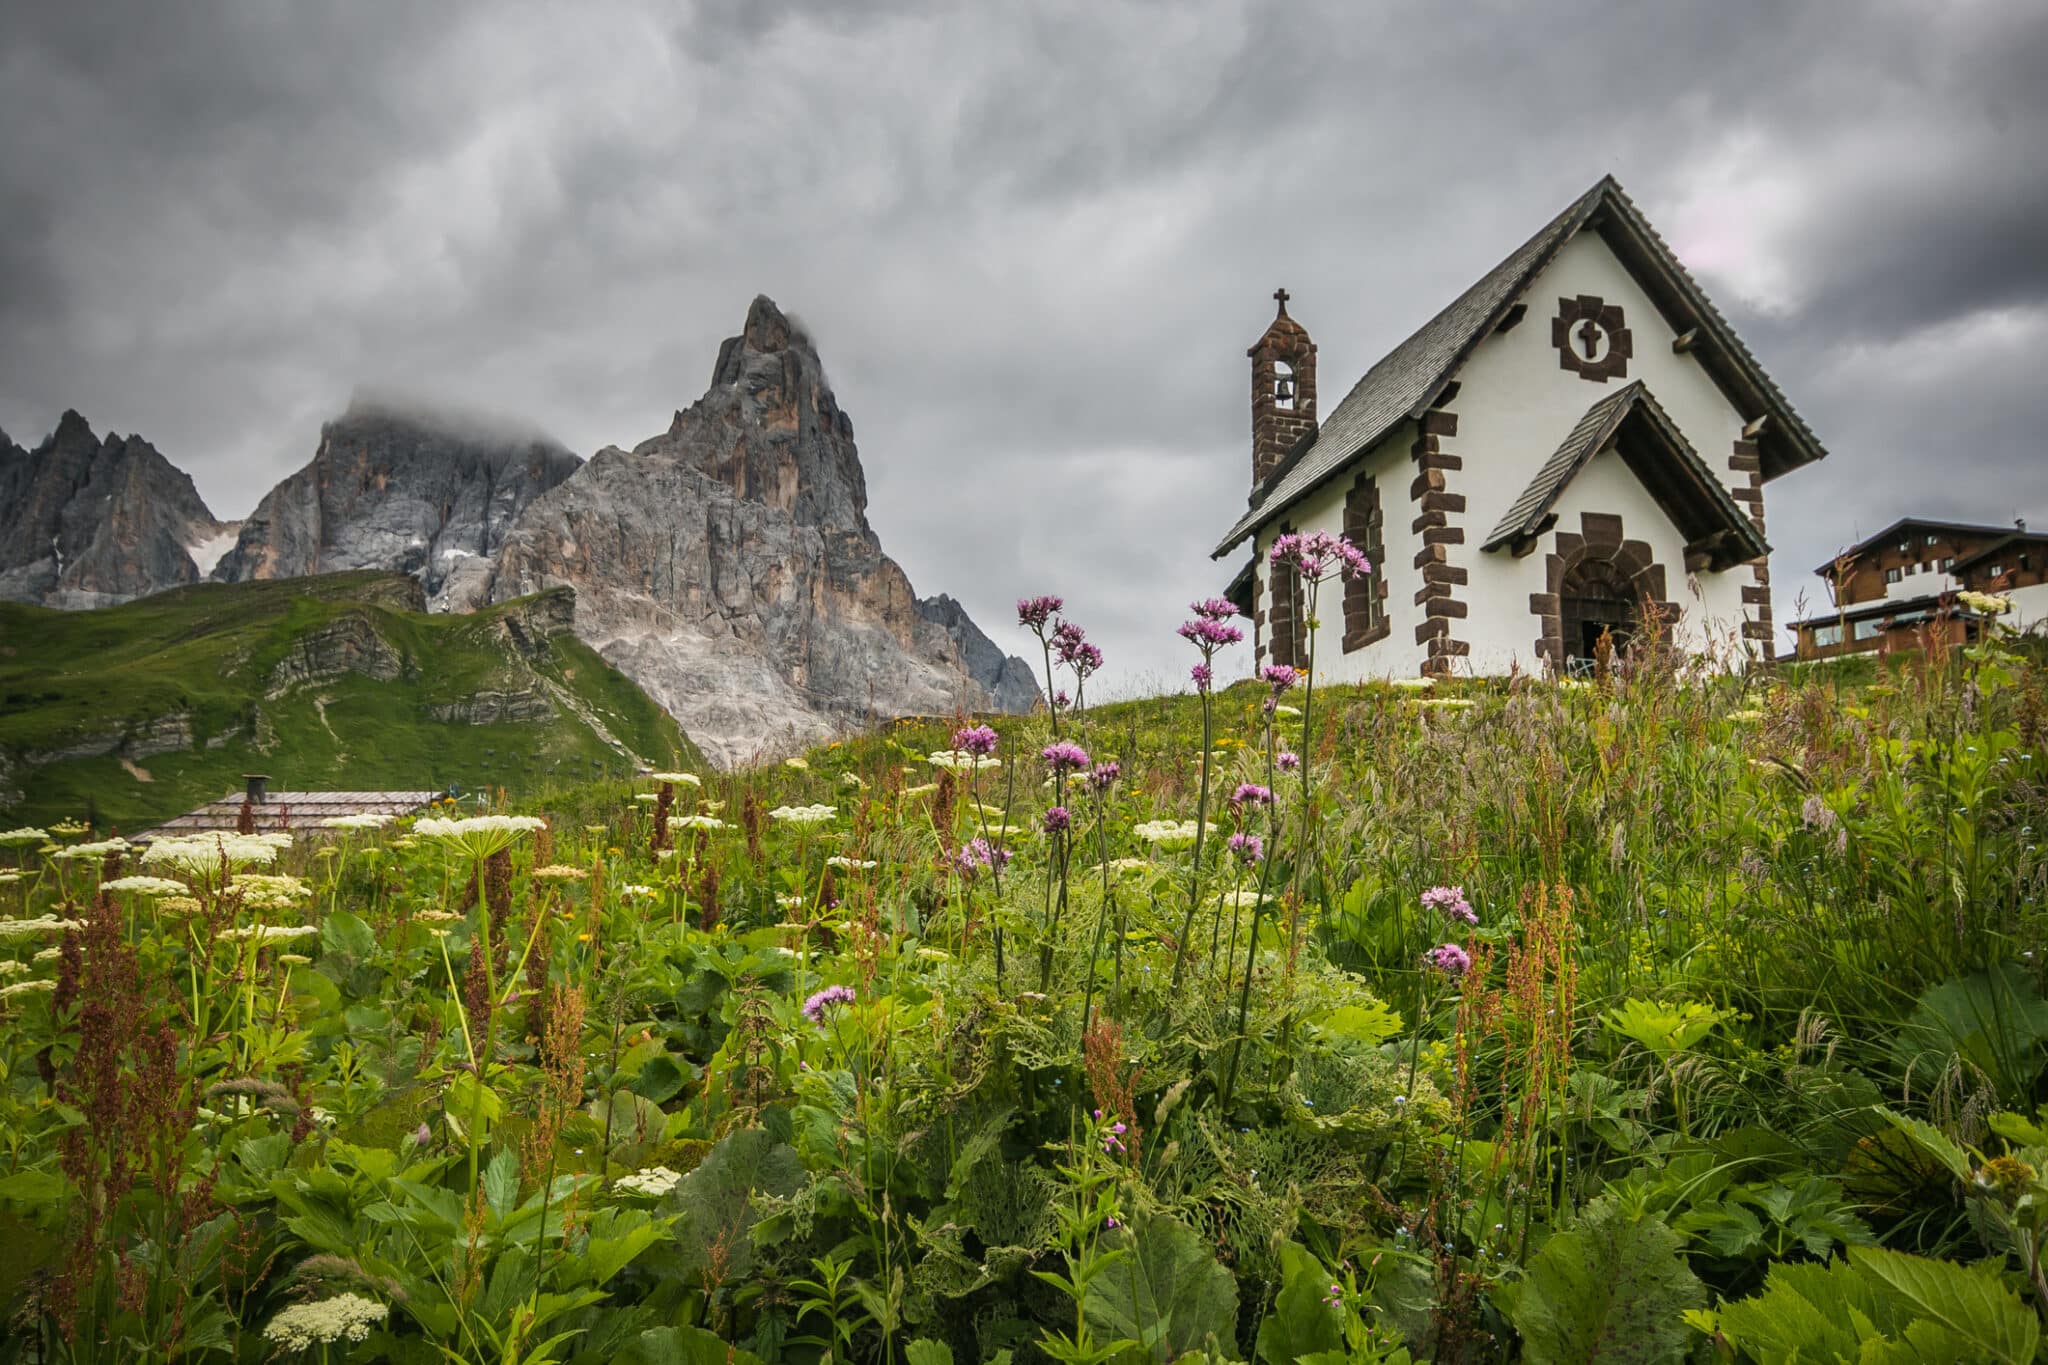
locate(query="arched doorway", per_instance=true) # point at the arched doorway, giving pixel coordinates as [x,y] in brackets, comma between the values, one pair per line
[1595,598]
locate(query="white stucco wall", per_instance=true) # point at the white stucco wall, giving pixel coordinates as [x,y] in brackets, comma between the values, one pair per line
[1515,405]
[2029,606]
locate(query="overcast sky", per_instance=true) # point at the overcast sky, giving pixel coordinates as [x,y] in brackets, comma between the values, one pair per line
[1032,242]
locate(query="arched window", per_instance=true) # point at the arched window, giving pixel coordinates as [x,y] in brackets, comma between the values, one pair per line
[1283,386]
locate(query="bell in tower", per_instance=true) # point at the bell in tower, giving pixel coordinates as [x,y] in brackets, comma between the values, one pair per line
[1283,391]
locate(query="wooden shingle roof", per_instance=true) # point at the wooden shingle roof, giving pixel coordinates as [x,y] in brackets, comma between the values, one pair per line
[1408,379]
[296,810]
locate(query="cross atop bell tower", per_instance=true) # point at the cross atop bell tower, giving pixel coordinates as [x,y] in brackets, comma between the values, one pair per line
[1283,390]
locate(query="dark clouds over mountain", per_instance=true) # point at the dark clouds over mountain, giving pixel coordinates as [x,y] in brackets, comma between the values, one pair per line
[1032,242]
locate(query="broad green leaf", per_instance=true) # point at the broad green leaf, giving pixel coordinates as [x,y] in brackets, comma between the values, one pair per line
[1664,1029]
[1168,1293]
[925,1351]
[348,937]
[501,1183]
[1301,1321]
[684,1346]
[1932,1141]
[1612,1289]
[1971,1303]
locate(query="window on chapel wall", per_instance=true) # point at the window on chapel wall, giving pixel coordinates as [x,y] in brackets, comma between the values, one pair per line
[1365,599]
[1283,617]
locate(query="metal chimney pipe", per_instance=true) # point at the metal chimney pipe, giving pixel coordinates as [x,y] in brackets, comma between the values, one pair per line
[256,782]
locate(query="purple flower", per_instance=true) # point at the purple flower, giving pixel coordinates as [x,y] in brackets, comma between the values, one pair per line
[422,1135]
[976,739]
[1061,701]
[1449,959]
[1450,902]
[1317,555]
[1249,848]
[1251,793]
[1214,608]
[1105,775]
[976,854]
[1279,676]
[1058,820]
[1287,760]
[1210,635]
[815,1007]
[1065,755]
[1034,612]
[1084,659]
[1335,1298]
[1066,638]
[1202,676]
[1110,1222]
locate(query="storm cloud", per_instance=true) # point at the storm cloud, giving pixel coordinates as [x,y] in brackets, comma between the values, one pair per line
[1032,242]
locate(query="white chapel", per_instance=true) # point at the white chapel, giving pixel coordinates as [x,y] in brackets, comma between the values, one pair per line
[1577,441]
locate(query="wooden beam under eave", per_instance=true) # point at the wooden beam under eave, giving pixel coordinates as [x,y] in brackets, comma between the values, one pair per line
[1514,315]
[1685,341]
[1752,430]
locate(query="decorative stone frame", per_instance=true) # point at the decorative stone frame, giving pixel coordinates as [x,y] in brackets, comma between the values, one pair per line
[1436,510]
[1365,599]
[1600,537]
[1606,316]
[1747,460]
[1286,613]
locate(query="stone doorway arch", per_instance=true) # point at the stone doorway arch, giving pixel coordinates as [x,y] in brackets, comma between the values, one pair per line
[1596,578]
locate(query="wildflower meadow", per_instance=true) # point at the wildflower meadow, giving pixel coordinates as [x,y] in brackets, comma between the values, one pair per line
[1672,1014]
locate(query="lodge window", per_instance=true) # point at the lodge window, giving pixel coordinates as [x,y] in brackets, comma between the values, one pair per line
[1946,562]
[1869,630]
[1892,575]
[1995,570]
[1824,636]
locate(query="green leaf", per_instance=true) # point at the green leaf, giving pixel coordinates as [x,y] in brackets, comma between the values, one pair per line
[1301,1322]
[1932,1141]
[1612,1289]
[1664,1029]
[715,1203]
[684,1346]
[1168,1293]
[32,1187]
[661,1079]
[501,1184]
[348,937]
[925,1351]
[1970,1303]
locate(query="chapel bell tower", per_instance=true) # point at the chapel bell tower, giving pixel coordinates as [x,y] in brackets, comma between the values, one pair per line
[1283,390]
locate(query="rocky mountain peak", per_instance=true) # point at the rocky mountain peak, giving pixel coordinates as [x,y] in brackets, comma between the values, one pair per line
[770,429]
[728,567]
[400,484]
[89,522]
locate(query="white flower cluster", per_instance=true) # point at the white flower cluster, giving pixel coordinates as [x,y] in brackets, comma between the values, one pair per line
[679,779]
[796,764]
[437,827]
[922,789]
[960,760]
[632,891]
[1242,900]
[853,781]
[1984,603]
[1122,866]
[803,815]
[356,821]
[31,928]
[559,872]
[1167,833]
[9,878]
[24,836]
[9,967]
[1411,684]
[654,1182]
[261,892]
[266,934]
[704,822]
[840,860]
[99,849]
[201,854]
[26,988]
[346,1317]
[147,886]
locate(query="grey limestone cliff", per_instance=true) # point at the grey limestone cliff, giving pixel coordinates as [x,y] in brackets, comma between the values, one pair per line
[391,487]
[728,567]
[87,521]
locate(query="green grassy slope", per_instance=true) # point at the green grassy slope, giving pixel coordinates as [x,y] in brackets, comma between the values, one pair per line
[325,683]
